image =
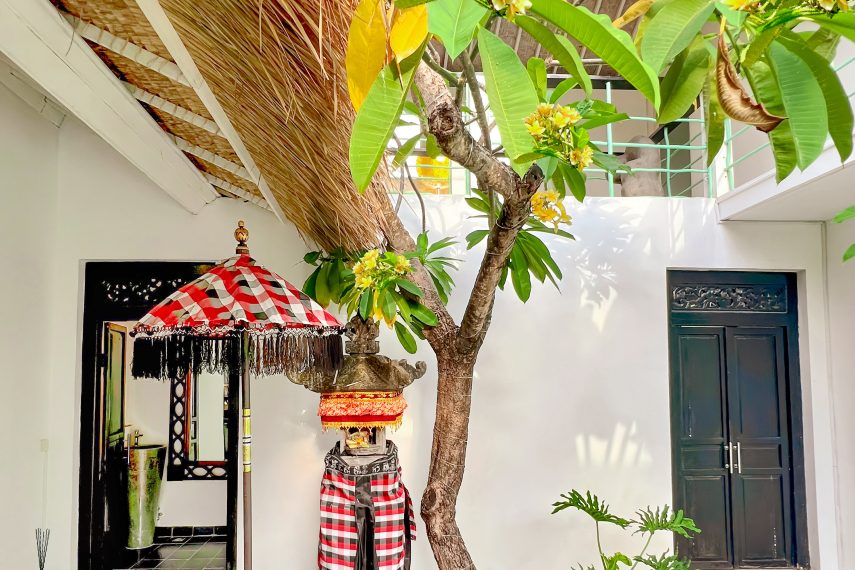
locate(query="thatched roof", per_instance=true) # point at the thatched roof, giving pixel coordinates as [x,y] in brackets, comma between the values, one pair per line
[276,69]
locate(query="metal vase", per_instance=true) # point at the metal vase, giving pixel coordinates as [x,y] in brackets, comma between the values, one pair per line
[145,476]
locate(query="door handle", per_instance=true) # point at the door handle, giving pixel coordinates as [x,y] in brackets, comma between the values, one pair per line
[739,456]
[728,451]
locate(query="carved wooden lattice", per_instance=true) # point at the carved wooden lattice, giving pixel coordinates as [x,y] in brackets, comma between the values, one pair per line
[734,298]
[180,466]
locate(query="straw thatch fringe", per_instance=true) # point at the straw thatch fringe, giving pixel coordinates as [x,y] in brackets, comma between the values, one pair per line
[277,69]
[168,357]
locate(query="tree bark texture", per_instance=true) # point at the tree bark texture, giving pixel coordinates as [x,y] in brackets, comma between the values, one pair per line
[457,347]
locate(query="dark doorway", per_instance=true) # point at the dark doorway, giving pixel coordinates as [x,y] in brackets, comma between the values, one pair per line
[114,292]
[736,418]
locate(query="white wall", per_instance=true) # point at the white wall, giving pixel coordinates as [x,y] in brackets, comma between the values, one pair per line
[571,389]
[28,175]
[841,284]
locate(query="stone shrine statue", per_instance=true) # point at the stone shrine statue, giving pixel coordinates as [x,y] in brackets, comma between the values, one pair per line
[641,183]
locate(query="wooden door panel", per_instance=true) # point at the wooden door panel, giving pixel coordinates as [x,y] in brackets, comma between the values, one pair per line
[764,523]
[706,498]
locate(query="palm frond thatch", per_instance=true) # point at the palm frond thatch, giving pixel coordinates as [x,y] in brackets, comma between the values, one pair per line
[277,68]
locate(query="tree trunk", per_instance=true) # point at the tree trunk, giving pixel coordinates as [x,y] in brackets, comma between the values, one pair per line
[448,457]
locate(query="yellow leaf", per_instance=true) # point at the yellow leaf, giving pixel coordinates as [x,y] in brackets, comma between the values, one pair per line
[632,13]
[366,49]
[409,30]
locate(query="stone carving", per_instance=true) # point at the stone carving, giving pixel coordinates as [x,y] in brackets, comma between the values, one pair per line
[641,183]
[363,370]
[741,298]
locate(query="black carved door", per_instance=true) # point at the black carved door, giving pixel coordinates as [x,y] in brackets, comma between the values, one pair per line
[736,418]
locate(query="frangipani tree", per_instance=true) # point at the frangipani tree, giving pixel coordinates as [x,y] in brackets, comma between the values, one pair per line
[545,149]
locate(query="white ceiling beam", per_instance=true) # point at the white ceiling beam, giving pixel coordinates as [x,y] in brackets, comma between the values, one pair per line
[170,38]
[38,40]
[237,191]
[214,159]
[125,48]
[170,108]
[22,86]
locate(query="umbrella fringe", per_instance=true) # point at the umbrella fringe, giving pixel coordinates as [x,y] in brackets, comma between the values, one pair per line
[168,357]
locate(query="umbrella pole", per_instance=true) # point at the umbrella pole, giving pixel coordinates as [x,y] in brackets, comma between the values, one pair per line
[247,454]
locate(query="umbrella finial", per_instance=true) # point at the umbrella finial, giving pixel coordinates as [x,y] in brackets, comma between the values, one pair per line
[242,235]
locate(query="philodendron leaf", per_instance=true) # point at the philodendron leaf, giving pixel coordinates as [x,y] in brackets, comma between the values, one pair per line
[511,94]
[454,21]
[375,123]
[560,47]
[684,80]
[596,32]
[673,29]
[803,102]
[765,85]
[838,107]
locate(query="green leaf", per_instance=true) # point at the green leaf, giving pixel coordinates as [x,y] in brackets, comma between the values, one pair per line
[312,257]
[536,68]
[713,118]
[595,31]
[410,3]
[734,17]
[478,204]
[837,104]
[454,21]
[560,47]
[376,120]
[409,287]
[366,304]
[322,290]
[824,42]
[765,87]
[842,23]
[563,87]
[684,81]
[575,180]
[519,274]
[609,162]
[758,46]
[850,253]
[595,122]
[512,96]
[803,102]
[846,214]
[423,314]
[388,304]
[405,338]
[432,146]
[590,504]
[309,285]
[405,150]
[476,237]
[673,29]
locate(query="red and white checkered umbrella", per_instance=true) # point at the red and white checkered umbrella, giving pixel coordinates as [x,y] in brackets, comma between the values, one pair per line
[239,318]
[238,294]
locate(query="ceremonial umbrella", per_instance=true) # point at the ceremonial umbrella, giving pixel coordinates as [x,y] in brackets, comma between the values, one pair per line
[238,317]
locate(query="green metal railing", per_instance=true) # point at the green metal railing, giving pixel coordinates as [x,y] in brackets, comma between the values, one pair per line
[731,161]
[669,148]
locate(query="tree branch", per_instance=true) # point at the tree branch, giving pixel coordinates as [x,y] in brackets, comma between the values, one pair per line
[446,123]
[515,212]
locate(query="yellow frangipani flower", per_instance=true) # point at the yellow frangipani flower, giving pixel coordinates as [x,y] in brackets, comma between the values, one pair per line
[535,129]
[514,6]
[572,114]
[358,268]
[547,207]
[581,158]
[545,109]
[402,264]
[364,282]
[743,5]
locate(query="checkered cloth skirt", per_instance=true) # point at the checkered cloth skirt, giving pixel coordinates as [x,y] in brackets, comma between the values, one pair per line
[367,518]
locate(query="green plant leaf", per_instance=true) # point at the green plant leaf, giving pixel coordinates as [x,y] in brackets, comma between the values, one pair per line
[432,146]
[684,80]
[575,180]
[536,68]
[563,87]
[388,304]
[842,23]
[758,46]
[411,3]
[850,253]
[595,31]
[309,285]
[520,274]
[511,94]
[405,338]
[837,104]
[803,102]
[846,214]
[765,87]
[409,287]
[822,41]
[423,314]
[405,150]
[590,504]
[713,118]
[312,257]
[476,237]
[322,291]
[454,21]
[560,47]
[366,304]
[376,120]
[673,29]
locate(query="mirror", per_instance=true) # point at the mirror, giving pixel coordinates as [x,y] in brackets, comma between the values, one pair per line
[208,429]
